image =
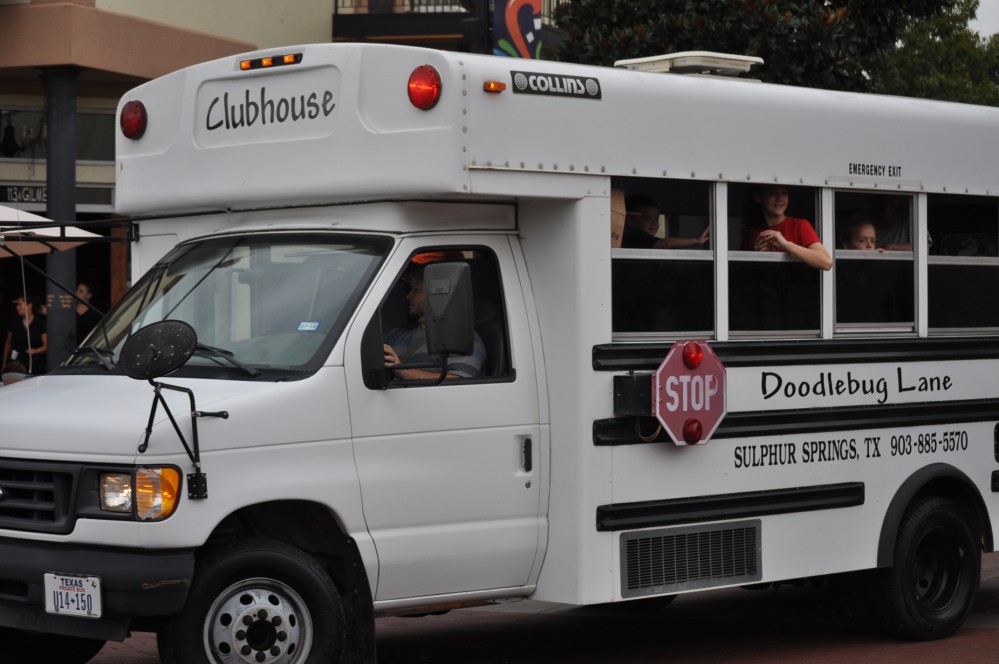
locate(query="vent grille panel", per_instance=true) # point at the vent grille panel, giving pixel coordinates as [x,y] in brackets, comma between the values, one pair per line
[676,559]
[35,498]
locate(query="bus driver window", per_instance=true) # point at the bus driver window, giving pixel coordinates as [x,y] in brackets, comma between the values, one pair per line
[402,320]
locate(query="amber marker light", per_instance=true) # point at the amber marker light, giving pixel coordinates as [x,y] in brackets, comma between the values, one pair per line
[156,492]
[270,61]
[494,86]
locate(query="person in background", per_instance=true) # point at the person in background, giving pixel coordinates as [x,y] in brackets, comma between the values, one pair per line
[770,229]
[641,223]
[860,234]
[86,316]
[27,341]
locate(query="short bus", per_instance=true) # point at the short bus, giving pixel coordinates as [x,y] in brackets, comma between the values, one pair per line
[390,350]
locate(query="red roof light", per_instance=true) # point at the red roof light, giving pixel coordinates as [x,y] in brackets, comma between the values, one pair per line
[424,87]
[133,120]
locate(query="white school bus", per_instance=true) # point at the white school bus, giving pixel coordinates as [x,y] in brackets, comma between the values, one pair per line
[390,351]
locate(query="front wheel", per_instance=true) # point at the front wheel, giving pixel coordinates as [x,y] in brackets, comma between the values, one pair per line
[257,602]
[19,647]
[929,590]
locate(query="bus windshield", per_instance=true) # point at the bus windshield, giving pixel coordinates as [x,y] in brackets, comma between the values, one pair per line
[261,305]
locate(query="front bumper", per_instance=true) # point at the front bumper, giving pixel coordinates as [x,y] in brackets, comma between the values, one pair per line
[135,583]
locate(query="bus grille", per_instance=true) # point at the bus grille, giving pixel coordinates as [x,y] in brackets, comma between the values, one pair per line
[35,497]
[676,559]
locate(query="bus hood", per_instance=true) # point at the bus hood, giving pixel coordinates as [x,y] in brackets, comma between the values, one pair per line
[104,418]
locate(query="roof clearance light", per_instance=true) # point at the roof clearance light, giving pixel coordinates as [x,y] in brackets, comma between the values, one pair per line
[270,61]
[494,86]
[424,87]
[133,120]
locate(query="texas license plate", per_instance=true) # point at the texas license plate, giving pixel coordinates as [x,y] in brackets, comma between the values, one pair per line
[70,595]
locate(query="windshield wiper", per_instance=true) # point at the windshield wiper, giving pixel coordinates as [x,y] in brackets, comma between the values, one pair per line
[228,356]
[103,354]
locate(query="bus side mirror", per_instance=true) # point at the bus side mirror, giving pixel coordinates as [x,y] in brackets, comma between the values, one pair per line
[376,376]
[448,310]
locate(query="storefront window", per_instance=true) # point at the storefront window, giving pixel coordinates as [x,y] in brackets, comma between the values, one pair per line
[24,135]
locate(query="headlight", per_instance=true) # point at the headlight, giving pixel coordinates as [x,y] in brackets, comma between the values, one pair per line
[116,492]
[151,493]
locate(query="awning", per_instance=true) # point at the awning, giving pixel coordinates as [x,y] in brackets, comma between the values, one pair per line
[26,234]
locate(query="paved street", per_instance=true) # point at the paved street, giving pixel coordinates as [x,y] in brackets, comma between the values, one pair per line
[792,625]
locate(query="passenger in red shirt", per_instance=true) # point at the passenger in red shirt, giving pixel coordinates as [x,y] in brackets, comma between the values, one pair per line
[777,232]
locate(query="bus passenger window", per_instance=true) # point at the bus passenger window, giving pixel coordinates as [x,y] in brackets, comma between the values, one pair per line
[770,289]
[662,276]
[964,264]
[874,264]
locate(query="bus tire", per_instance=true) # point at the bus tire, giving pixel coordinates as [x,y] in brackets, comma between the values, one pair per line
[257,597]
[20,647]
[928,591]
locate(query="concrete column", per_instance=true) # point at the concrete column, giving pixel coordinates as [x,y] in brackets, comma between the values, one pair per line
[60,99]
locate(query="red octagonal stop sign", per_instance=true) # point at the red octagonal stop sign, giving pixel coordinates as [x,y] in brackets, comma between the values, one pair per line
[689,392]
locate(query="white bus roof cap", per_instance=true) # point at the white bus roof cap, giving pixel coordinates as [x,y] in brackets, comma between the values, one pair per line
[693,62]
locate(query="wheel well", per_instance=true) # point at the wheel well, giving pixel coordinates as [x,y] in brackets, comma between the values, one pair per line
[941,480]
[311,528]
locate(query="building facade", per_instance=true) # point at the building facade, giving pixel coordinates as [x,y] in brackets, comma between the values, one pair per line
[65,64]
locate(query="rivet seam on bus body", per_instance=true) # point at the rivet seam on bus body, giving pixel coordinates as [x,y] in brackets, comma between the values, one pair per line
[464,111]
[634,171]
[474,163]
[775,179]
[506,164]
[586,168]
[464,130]
[721,177]
[522,164]
[692,174]
[489,164]
[541,166]
[801,180]
[603,169]
[464,93]
[465,187]
[664,173]
[571,167]
[464,77]
[554,167]
[945,188]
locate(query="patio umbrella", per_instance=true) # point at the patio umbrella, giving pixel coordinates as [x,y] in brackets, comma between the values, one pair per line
[26,234]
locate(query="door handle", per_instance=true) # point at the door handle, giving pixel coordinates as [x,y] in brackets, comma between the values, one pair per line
[526,458]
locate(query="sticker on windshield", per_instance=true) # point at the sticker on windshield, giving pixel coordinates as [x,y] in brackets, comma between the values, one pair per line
[308,326]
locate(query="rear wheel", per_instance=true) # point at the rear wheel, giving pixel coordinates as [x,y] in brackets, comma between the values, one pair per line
[257,601]
[19,647]
[929,590]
